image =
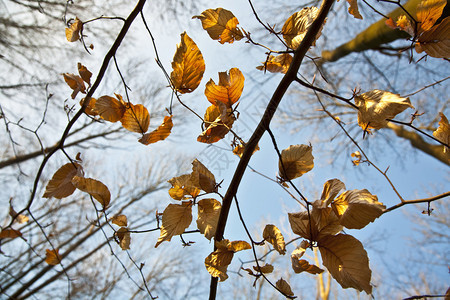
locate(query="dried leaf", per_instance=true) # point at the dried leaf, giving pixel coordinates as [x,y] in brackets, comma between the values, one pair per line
[301,265]
[219,120]
[76,83]
[353,9]
[136,118]
[93,187]
[73,32]
[188,66]
[124,237]
[274,236]
[202,178]
[60,185]
[17,218]
[84,73]
[330,190]
[120,220]
[221,25]
[237,246]
[239,149]
[277,64]
[90,108]
[175,219]
[10,234]
[323,222]
[109,108]
[347,261]
[297,160]
[428,12]
[376,106]
[436,41]
[266,269]
[183,186]
[357,208]
[229,89]
[52,257]
[296,26]
[442,133]
[208,215]
[357,156]
[159,134]
[284,287]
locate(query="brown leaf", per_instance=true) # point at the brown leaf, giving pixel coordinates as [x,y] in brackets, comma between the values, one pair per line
[219,120]
[236,246]
[202,178]
[84,73]
[330,190]
[10,234]
[90,108]
[357,208]
[442,133]
[347,261]
[120,220]
[124,237]
[136,118]
[73,32]
[93,187]
[353,9]
[176,218]
[297,160]
[183,186]
[436,41]
[76,83]
[229,89]
[428,12]
[274,236]
[208,215]
[284,287]
[239,149]
[277,64]
[159,134]
[60,186]
[17,218]
[301,265]
[266,269]
[376,106]
[296,26]
[109,108]
[52,257]
[188,66]
[221,25]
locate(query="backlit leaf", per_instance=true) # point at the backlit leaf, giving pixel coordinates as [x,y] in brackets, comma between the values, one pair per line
[60,185]
[93,187]
[73,32]
[296,26]
[274,236]
[266,269]
[357,156]
[10,233]
[376,106]
[202,178]
[347,261]
[218,119]
[330,190]
[428,11]
[442,133]
[284,287]
[17,218]
[302,265]
[188,66]
[436,41]
[236,246]
[175,219]
[90,108]
[277,64]
[136,118]
[239,149]
[221,25]
[357,208]
[208,215]
[159,134]
[183,186]
[52,257]
[76,83]
[297,160]
[109,108]
[229,89]
[124,237]
[353,9]
[120,220]
[323,222]
[84,73]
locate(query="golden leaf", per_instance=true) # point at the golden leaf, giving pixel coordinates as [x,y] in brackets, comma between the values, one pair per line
[84,73]
[202,178]
[188,66]
[357,208]
[221,25]
[93,187]
[302,265]
[277,64]
[376,106]
[239,149]
[120,220]
[428,12]
[323,222]
[273,236]
[436,41]
[229,89]
[208,215]
[136,118]
[219,120]
[52,257]
[330,190]
[297,160]
[76,83]
[357,156]
[182,186]
[90,108]
[175,219]
[346,260]
[159,134]
[60,185]
[284,287]
[17,218]
[10,234]
[109,108]
[73,32]
[266,269]
[296,26]
[124,237]
[442,133]
[236,246]
[353,9]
